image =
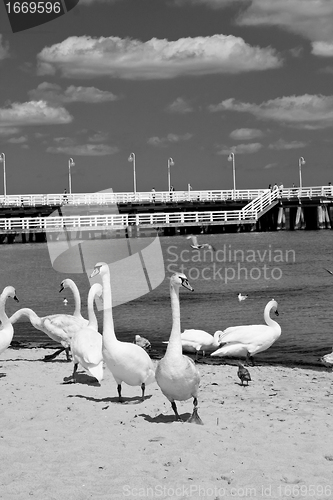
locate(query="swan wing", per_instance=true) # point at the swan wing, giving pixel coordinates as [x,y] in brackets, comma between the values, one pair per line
[247,334]
[62,326]
[86,346]
[198,336]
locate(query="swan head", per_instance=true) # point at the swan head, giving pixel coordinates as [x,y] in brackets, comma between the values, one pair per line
[180,279]
[66,283]
[217,336]
[100,268]
[10,291]
[273,306]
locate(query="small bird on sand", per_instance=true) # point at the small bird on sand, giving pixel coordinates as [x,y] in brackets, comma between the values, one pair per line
[241,297]
[142,342]
[198,246]
[243,374]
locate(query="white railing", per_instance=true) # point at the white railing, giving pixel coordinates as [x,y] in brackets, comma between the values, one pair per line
[119,221]
[104,198]
[262,202]
[139,197]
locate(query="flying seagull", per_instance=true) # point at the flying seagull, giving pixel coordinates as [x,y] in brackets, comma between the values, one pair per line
[197,246]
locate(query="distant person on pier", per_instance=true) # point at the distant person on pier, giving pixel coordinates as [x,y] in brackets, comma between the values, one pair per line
[330,185]
[172,189]
[65,197]
[153,194]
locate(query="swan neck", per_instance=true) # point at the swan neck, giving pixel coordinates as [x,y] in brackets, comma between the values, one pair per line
[91,312]
[108,324]
[77,300]
[3,315]
[25,311]
[268,319]
[175,343]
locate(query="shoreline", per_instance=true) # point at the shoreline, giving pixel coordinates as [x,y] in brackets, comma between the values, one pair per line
[75,441]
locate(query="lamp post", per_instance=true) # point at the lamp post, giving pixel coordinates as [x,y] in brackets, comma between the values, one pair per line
[231,157]
[70,164]
[3,160]
[170,164]
[132,158]
[301,162]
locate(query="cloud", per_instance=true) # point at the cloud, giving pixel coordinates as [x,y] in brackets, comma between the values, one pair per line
[312,19]
[179,106]
[170,138]
[323,49]
[240,149]
[33,113]
[4,49]
[84,149]
[53,93]
[5,131]
[282,144]
[307,111]
[242,134]
[155,59]
[17,140]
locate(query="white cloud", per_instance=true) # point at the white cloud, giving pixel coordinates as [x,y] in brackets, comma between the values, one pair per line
[33,113]
[170,138]
[84,149]
[241,149]
[155,59]
[312,19]
[5,131]
[282,144]
[98,137]
[323,49]
[4,49]
[53,93]
[242,134]
[306,111]
[180,106]
[17,140]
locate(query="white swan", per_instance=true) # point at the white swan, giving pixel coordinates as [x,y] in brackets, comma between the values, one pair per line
[126,361]
[176,374]
[68,283]
[86,343]
[196,245]
[142,342]
[6,328]
[327,360]
[199,340]
[248,340]
[241,297]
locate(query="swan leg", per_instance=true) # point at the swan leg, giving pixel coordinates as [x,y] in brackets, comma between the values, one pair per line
[174,407]
[120,399]
[143,387]
[194,418]
[249,359]
[49,357]
[74,371]
[68,356]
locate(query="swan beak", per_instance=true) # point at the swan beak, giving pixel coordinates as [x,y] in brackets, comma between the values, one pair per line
[95,272]
[277,313]
[186,284]
[16,299]
[61,288]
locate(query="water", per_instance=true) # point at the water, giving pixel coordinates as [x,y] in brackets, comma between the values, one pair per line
[287,266]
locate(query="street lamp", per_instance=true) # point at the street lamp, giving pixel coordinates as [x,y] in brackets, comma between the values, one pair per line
[301,162]
[70,164]
[3,160]
[231,157]
[170,164]
[132,158]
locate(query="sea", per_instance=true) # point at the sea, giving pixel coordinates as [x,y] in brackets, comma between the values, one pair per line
[288,266]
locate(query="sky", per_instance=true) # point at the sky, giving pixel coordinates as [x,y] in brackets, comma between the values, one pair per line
[191,80]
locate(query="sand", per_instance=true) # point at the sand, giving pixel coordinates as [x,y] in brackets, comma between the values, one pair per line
[272,439]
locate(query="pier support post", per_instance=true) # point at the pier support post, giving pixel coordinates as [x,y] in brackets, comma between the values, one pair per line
[326,217]
[281,219]
[320,217]
[299,221]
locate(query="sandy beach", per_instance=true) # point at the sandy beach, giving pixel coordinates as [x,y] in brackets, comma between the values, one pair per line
[272,439]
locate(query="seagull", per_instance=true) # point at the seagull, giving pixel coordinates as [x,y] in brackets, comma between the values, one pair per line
[241,297]
[65,301]
[196,245]
[243,373]
[142,342]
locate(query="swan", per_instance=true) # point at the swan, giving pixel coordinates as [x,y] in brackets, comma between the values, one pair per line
[241,297]
[248,340]
[68,283]
[86,343]
[126,361]
[142,342]
[199,340]
[327,360]
[196,245]
[176,374]
[6,328]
